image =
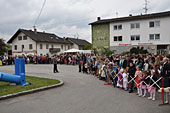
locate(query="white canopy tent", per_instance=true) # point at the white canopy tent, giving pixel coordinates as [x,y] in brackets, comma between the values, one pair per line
[73,51]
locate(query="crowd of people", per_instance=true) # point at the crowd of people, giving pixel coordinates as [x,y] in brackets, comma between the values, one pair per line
[141,72]
[128,72]
[41,59]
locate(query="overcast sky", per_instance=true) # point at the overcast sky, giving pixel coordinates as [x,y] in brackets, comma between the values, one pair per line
[69,18]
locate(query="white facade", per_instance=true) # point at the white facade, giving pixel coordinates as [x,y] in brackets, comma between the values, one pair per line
[143,31]
[45,49]
[75,46]
[20,47]
[18,43]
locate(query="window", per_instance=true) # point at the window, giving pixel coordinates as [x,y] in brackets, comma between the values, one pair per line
[47,46]
[30,46]
[154,24]
[52,46]
[151,37]
[157,36]
[117,38]
[61,46]
[135,37]
[138,37]
[22,48]
[68,47]
[157,23]
[117,27]
[151,24]
[20,38]
[132,38]
[132,26]
[135,25]
[154,37]
[24,37]
[41,46]
[15,47]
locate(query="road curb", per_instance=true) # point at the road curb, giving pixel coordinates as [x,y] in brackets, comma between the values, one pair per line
[31,91]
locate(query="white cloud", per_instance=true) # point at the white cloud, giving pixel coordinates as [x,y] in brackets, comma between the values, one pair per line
[68,17]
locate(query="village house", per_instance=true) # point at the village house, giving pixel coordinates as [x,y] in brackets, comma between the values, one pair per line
[150,31]
[32,42]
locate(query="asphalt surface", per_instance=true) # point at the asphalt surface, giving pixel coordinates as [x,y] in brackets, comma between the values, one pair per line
[81,93]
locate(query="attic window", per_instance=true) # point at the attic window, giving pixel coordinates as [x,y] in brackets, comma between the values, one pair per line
[51,37]
[24,37]
[20,38]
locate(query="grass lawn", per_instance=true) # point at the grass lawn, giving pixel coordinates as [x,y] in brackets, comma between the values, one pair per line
[6,88]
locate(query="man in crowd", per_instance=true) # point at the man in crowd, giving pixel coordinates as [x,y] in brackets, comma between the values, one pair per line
[131,71]
[165,73]
[55,64]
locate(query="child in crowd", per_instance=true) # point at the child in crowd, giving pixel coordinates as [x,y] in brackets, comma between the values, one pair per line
[86,66]
[125,80]
[138,75]
[152,88]
[115,68]
[120,78]
[143,84]
[103,74]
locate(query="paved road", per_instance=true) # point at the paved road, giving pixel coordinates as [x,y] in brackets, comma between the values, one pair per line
[81,93]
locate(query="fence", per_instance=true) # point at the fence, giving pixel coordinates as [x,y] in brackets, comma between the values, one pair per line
[133,79]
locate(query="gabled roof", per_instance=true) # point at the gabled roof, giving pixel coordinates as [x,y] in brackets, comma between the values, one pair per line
[40,37]
[79,42]
[132,18]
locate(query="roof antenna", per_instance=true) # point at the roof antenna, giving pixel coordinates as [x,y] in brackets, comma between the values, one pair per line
[77,36]
[146,6]
[34,27]
[117,14]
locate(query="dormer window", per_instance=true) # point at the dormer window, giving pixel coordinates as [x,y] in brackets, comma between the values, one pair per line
[20,38]
[24,37]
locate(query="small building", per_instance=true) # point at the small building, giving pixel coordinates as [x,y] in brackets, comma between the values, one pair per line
[150,31]
[30,42]
[77,43]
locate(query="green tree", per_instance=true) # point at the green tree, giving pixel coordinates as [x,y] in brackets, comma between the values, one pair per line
[88,47]
[106,51]
[138,50]
[3,47]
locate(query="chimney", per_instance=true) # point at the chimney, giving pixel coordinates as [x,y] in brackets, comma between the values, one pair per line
[98,18]
[35,30]
[130,14]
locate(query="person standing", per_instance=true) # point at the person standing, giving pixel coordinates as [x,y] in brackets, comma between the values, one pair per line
[55,64]
[165,73]
[80,63]
[131,71]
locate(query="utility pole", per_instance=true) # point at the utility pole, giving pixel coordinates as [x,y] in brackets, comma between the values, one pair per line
[146,6]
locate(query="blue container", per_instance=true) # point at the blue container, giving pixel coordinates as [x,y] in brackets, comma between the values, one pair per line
[19,77]
[19,66]
[10,78]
